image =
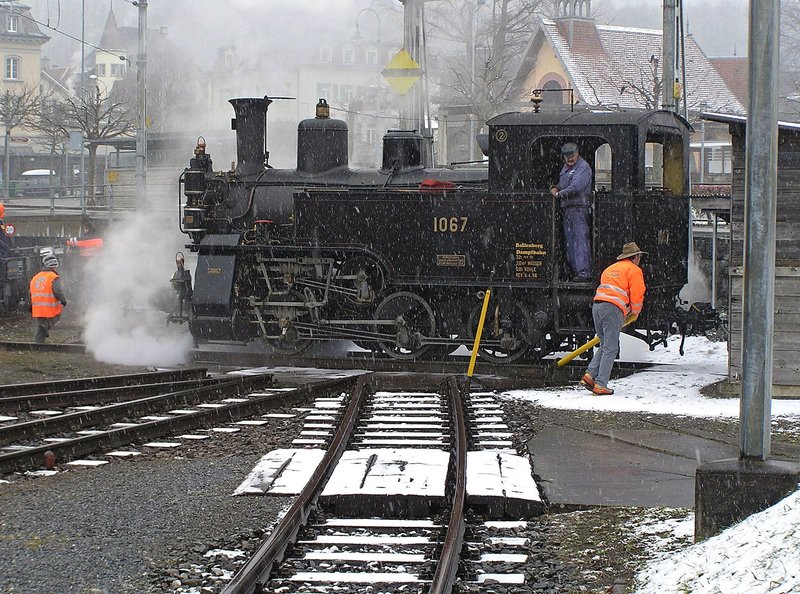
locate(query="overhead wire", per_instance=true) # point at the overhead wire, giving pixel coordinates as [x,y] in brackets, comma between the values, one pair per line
[65,34]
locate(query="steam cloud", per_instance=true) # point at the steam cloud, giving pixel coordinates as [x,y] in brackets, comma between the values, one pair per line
[125,287]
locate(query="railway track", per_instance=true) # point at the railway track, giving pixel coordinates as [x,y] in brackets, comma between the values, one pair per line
[491,375]
[131,409]
[386,504]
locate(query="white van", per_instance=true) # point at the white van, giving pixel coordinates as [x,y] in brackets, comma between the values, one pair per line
[36,183]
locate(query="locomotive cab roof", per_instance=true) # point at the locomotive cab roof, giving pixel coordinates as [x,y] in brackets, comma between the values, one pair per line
[529,144]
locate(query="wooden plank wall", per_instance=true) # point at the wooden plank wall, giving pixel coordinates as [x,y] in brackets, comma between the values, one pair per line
[786,362]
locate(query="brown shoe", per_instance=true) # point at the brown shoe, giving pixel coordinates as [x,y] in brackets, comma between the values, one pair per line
[587,381]
[602,390]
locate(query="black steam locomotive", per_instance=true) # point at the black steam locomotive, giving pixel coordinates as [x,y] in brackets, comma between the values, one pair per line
[398,260]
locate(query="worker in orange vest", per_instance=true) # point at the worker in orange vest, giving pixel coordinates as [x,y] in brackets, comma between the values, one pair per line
[47,297]
[618,301]
[88,243]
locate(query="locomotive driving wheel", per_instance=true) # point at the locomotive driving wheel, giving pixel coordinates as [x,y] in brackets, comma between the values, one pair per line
[361,279]
[413,319]
[281,332]
[507,330]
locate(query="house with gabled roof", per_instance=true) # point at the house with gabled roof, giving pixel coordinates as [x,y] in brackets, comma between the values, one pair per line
[612,66]
[573,59]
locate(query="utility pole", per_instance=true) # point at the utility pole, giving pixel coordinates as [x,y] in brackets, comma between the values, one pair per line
[668,57]
[83,92]
[141,135]
[415,114]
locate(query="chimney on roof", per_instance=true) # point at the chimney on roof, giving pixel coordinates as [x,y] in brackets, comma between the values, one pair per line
[572,8]
[575,22]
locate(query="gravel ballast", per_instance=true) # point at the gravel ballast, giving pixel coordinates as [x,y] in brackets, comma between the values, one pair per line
[163,522]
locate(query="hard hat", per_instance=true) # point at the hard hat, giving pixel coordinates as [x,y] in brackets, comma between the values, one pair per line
[569,149]
[50,261]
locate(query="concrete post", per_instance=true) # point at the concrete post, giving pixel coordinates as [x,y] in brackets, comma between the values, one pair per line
[760,207]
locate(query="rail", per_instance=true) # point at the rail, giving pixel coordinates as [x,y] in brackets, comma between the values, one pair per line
[252,577]
[445,576]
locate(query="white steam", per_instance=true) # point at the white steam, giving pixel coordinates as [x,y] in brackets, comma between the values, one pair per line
[125,287]
[698,289]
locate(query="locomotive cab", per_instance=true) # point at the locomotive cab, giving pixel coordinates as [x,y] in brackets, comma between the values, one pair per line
[639,161]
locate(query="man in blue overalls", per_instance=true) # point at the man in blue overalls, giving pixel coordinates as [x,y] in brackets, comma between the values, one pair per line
[574,193]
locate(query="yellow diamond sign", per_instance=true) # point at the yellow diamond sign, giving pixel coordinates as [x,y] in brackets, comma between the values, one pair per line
[402,72]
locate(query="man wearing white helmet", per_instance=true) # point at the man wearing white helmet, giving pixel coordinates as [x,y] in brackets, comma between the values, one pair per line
[47,297]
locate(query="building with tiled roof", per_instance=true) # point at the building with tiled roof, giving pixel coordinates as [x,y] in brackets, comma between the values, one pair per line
[611,66]
[735,71]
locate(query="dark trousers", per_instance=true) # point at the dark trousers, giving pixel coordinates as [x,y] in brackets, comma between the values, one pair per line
[43,326]
[576,234]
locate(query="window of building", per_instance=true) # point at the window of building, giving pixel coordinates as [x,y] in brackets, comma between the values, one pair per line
[324,54]
[372,136]
[347,93]
[117,70]
[328,92]
[347,56]
[101,69]
[719,160]
[12,68]
[13,23]
[372,57]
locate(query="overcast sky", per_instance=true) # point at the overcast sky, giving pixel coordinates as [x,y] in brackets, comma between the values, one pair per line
[201,26]
[719,26]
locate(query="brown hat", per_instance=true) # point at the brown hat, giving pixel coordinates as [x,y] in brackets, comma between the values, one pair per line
[629,250]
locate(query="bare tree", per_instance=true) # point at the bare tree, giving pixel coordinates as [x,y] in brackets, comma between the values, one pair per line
[52,127]
[494,34]
[18,109]
[98,118]
[640,80]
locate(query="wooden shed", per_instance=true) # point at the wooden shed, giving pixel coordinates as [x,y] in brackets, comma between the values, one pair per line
[786,363]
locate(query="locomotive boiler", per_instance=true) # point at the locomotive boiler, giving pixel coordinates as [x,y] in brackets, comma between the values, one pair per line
[398,260]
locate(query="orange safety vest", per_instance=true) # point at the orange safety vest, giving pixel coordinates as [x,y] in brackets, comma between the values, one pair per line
[86,247]
[44,304]
[622,284]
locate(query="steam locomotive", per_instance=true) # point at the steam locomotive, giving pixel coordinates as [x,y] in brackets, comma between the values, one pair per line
[398,260]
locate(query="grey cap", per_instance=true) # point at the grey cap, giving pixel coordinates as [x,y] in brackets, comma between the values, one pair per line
[569,149]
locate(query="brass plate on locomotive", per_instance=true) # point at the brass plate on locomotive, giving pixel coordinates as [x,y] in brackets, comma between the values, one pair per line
[451,260]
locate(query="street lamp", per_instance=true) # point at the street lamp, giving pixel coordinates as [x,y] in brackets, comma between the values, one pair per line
[97,82]
[358,37]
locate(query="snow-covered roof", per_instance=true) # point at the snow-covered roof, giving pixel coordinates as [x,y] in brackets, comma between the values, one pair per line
[727,118]
[613,66]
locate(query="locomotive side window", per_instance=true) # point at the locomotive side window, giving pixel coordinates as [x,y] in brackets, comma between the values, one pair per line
[653,165]
[664,162]
[602,168]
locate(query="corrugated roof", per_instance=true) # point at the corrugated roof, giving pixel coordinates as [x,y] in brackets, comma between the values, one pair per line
[618,72]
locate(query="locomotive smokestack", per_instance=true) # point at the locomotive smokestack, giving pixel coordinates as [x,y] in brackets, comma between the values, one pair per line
[250,124]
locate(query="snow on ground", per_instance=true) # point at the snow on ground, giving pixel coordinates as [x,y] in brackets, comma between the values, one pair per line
[760,554]
[672,386]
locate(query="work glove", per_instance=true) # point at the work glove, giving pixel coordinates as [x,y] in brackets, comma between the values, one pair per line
[631,318]
[64,303]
